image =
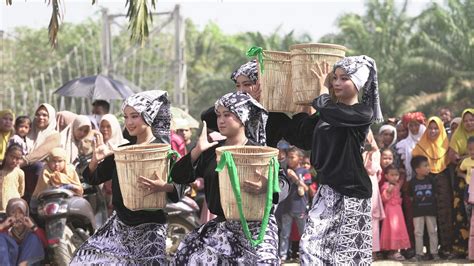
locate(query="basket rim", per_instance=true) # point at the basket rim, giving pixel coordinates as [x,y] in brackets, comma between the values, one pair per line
[143,147]
[269,150]
[275,52]
[325,45]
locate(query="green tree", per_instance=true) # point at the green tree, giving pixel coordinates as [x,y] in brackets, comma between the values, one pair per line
[382,33]
[441,58]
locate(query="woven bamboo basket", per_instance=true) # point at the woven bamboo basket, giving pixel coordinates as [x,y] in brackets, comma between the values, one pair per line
[304,57]
[275,83]
[247,159]
[141,160]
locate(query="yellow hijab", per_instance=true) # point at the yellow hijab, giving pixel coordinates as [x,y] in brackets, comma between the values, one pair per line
[459,139]
[5,136]
[436,151]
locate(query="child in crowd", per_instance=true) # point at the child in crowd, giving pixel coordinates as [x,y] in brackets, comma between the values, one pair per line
[313,187]
[22,128]
[386,159]
[424,206]
[58,174]
[294,206]
[21,241]
[394,235]
[12,178]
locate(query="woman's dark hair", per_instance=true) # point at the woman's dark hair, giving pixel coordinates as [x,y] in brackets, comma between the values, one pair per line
[22,119]
[390,167]
[12,147]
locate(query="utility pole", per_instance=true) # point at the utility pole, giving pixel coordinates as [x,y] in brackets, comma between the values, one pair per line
[106,51]
[179,96]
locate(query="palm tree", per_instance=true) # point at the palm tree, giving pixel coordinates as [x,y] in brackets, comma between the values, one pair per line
[382,33]
[138,13]
[441,56]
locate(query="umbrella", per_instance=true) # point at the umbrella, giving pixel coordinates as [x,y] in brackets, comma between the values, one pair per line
[95,87]
[178,116]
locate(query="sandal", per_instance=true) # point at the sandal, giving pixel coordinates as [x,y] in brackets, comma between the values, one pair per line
[396,256]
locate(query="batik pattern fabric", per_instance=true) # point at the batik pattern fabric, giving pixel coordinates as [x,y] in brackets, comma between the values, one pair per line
[248,69]
[250,112]
[116,243]
[224,243]
[362,70]
[154,107]
[338,230]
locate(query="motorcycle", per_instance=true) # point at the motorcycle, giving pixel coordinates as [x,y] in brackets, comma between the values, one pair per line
[183,217]
[68,221]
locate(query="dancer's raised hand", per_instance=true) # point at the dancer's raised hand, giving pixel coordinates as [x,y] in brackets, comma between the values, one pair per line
[202,144]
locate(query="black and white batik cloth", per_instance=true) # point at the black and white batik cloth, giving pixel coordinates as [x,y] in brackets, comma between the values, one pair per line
[224,243]
[116,243]
[338,230]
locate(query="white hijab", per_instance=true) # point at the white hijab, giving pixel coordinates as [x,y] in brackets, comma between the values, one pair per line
[405,148]
[116,138]
[38,136]
[392,130]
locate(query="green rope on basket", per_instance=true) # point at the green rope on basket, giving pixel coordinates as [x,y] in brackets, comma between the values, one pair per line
[272,186]
[258,52]
[172,156]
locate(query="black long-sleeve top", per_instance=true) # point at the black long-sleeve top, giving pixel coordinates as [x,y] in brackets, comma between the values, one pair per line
[185,172]
[335,135]
[107,170]
[276,128]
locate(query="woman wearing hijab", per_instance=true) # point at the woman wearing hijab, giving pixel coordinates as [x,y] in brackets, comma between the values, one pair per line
[6,130]
[246,80]
[21,241]
[242,120]
[454,125]
[457,151]
[64,119]
[434,145]
[338,229]
[415,122]
[111,132]
[44,138]
[72,136]
[388,136]
[131,237]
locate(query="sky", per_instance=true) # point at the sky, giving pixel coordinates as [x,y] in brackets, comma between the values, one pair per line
[317,17]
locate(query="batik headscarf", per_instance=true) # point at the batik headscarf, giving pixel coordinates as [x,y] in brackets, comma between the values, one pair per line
[251,113]
[248,69]
[362,70]
[154,108]
[392,130]
[435,150]
[459,139]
